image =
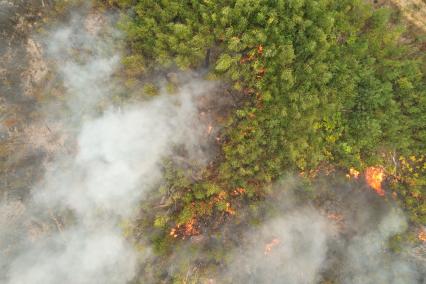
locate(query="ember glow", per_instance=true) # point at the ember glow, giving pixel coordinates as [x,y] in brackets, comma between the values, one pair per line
[229,209]
[238,191]
[374,177]
[269,246]
[191,228]
[335,217]
[338,220]
[422,235]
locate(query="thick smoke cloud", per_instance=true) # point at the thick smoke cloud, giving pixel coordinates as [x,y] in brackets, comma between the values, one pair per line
[115,162]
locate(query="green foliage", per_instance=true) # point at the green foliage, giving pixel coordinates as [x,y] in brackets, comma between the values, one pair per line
[224,62]
[221,205]
[161,221]
[150,89]
[211,189]
[327,82]
[185,215]
[323,81]
[410,187]
[134,65]
[169,32]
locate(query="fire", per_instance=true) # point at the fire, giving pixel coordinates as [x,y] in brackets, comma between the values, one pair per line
[353,173]
[422,235]
[238,191]
[10,122]
[222,196]
[335,217]
[260,72]
[247,58]
[229,209]
[173,232]
[269,246]
[374,177]
[190,228]
[338,220]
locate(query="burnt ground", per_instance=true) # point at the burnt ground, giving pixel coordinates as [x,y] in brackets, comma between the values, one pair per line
[21,70]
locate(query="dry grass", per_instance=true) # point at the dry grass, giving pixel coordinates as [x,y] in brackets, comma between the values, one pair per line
[414,11]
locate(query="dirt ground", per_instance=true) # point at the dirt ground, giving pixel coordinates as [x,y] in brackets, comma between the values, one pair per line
[414,11]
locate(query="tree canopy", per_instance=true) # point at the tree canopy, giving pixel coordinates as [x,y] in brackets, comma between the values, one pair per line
[321,84]
[322,81]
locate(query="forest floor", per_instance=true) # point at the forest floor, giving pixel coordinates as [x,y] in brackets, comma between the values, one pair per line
[414,11]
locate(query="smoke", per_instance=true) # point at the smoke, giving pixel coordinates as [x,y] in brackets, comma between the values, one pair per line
[68,231]
[85,61]
[289,249]
[366,260]
[106,160]
[345,238]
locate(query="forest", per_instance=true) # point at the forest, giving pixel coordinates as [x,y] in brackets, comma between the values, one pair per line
[202,141]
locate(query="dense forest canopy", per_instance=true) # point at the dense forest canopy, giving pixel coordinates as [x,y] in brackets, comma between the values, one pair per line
[321,82]
[321,85]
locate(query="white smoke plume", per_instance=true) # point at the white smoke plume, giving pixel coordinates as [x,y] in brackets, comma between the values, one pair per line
[344,240]
[289,249]
[85,61]
[116,161]
[366,260]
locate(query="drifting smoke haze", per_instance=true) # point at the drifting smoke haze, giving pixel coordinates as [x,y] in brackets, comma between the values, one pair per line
[116,161]
[85,61]
[290,249]
[347,237]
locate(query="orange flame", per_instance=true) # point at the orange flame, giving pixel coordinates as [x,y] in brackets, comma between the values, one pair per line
[229,209]
[422,235]
[374,177]
[269,246]
[238,191]
[190,228]
[338,220]
[247,58]
[173,232]
[335,217]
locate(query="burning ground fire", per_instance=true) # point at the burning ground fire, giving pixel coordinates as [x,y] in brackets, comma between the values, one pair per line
[269,246]
[238,191]
[338,220]
[374,177]
[422,235]
[209,129]
[186,230]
